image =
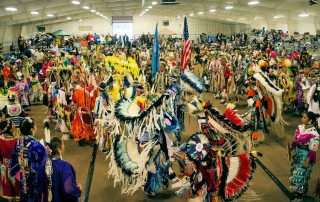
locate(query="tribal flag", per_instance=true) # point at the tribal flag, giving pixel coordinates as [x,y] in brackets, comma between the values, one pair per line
[186,52]
[155,53]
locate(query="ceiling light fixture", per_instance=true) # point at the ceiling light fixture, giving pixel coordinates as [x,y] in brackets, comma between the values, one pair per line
[50,15]
[253,2]
[149,7]
[212,10]
[191,14]
[304,15]
[34,12]
[255,18]
[80,20]
[93,11]
[75,2]
[97,13]
[11,9]
[228,7]
[86,7]
[178,17]
[200,13]
[69,18]
[154,3]
[276,17]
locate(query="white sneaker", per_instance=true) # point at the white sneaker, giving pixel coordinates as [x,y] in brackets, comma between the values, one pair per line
[151,193]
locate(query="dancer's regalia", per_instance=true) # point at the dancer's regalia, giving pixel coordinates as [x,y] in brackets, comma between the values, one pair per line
[265,100]
[229,83]
[120,79]
[161,79]
[175,102]
[104,113]
[131,165]
[81,125]
[302,87]
[213,68]
[219,154]
[10,186]
[14,112]
[63,101]
[49,98]
[220,81]
[4,93]
[22,89]
[305,145]
[27,155]
[35,88]
[313,98]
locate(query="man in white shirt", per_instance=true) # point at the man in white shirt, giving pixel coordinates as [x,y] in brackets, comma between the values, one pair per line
[33,50]
[38,55]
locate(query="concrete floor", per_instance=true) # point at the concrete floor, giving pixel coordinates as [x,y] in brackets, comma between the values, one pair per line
[264,189]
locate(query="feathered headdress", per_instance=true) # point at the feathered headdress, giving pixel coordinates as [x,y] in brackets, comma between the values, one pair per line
[232,116]
[128,166]
[286,63]
[262,63]
[198,147]
[191,82]
[273,96]
[122,67]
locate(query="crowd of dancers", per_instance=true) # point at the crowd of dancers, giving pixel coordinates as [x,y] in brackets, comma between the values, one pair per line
[113,97]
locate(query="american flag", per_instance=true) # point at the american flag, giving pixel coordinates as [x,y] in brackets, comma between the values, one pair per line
[186,52]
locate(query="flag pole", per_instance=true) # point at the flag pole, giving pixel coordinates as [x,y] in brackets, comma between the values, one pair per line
[186,50]
[274,179]
[155,53]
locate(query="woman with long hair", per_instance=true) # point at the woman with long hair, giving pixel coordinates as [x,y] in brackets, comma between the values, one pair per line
[27,155]
[57,178]
[305,146]
[10,186]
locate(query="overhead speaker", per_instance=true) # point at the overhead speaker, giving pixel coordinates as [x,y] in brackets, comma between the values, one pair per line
[169,2]
[41,28]
[313,2]
[166,23]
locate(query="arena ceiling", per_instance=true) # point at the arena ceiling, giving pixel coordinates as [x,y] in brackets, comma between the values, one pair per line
[241,12]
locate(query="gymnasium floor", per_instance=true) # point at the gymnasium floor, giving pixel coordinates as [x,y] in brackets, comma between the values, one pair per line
[264,189]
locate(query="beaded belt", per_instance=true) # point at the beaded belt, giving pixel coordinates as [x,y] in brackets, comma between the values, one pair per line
[303,147]
[7,161]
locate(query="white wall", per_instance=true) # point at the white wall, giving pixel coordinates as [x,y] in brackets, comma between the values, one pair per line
[28,29]
[196,26]
[260,25]
[144,24]
[8,34]
[147,24]
[306,27]
[99,26]
[301,25]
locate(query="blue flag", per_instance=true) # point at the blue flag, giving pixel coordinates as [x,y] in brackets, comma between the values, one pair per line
[155,53]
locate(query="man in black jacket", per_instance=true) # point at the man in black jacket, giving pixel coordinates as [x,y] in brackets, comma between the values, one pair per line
[244,37]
